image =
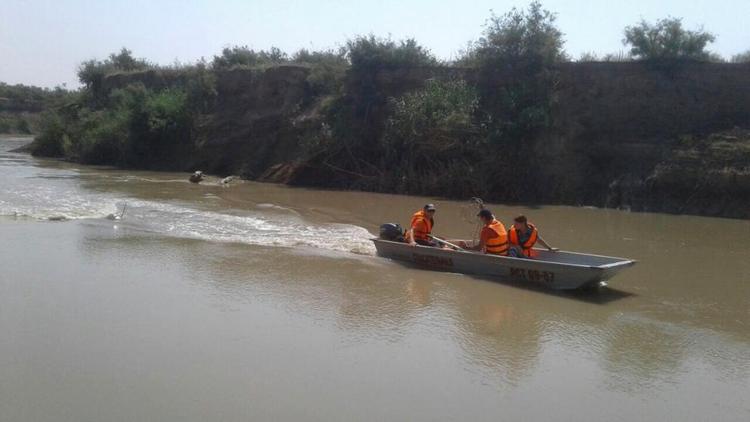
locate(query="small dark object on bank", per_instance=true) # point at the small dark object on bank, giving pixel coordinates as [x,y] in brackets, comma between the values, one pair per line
[196,177]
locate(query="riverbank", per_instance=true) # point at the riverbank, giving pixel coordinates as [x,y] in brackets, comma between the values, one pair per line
[616,135]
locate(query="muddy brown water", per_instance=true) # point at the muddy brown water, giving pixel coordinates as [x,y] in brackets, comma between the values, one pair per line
[263,302]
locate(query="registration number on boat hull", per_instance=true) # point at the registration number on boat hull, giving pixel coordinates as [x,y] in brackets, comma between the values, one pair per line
[432,261]
[533,275]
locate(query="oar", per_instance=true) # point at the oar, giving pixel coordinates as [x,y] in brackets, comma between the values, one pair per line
[439,240]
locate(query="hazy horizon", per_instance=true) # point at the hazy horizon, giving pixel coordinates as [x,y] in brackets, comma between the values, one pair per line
[42,41]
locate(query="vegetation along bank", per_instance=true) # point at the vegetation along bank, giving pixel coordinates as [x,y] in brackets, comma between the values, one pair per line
[663,127]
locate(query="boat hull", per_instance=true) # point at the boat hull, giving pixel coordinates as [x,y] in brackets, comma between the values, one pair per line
[555,270]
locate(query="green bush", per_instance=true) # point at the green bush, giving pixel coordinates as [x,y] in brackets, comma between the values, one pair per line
[200,87]
[22,126]
[523,46]
[433,122]
[356,116]
[667,40]
[742,57]
[430,131]
[139,128]
[91,72]
[589,56]
[246,57]
[526,38]
[327,69]
[371,52]
[620,56]
[22,97]
[154,124]
[436,115]
[102,139]
[49,142]
[609,57]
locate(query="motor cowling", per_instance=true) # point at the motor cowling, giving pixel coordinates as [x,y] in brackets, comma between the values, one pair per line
[392,231]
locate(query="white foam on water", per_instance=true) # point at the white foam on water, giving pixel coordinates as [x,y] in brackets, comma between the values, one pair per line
[249,227]
[55,200]
[57,194]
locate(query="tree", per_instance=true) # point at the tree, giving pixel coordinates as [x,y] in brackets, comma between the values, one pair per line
[589,56]
[432,142]
[125,61]
[516,58]
[619,56]
[91,72]
[244,56]
[368,52]
[528,37]
[667,40]
[368,55]
[327,69]
[23,126]
[434,117]
[742,57]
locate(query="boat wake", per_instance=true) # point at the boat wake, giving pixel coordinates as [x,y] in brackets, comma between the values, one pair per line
[264,226]
[257,227]
[54,192]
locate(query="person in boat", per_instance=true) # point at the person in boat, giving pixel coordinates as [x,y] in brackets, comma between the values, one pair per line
[493,239]
[522,237]
[421,226]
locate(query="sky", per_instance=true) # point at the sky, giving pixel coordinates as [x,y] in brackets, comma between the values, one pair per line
[43,41]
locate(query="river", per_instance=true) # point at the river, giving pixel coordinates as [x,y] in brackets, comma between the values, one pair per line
[264,302]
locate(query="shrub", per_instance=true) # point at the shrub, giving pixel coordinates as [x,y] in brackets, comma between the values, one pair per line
[430,130]
[49,142]
[102,138]
[166,108]
[616,57]
[327,69]
[91,72]
[524,46]
[526,37]
[362,109]
[329,57]
[371,52]
[139,128]
[435,116]
[22,126]
[742,57]
[22,98]
[200,87]
[155,124]
[667,40]
[244,56]
[589,56]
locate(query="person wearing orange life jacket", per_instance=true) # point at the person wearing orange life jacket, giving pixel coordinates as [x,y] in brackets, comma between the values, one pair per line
[493,238]
[522,237]
[421,226]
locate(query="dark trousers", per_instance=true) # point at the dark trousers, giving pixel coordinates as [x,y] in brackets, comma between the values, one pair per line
[430,243]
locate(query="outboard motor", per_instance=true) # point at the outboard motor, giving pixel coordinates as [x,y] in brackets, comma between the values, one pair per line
[392,231]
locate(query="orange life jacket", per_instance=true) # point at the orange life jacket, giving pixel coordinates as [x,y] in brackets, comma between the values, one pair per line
[529,244]
[421,217]
[497,245]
